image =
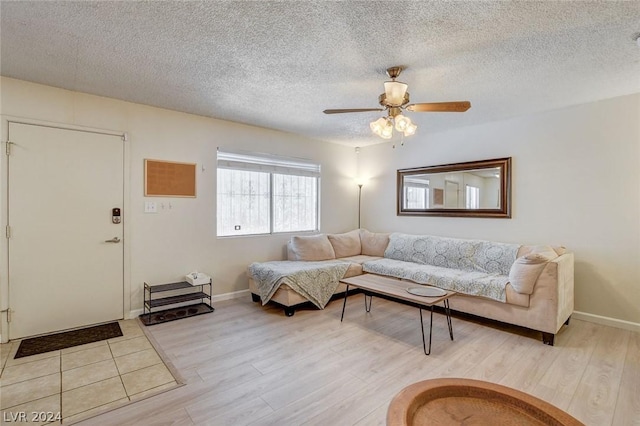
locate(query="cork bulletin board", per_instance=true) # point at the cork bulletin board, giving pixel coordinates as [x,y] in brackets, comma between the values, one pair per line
[169,179]
[438,196]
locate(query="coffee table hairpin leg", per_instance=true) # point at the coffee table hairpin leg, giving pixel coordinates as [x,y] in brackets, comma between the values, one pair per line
[368,309]
[424,345]
[448,314]
[344,304]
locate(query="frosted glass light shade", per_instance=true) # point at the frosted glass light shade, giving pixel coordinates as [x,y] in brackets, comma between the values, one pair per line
[410,130]
[402,122]
[384,126]
[394,92]
[387,131]
[378,125]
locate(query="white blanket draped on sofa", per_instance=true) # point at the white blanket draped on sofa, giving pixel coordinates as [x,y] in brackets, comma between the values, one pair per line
[315,280]
[474,267]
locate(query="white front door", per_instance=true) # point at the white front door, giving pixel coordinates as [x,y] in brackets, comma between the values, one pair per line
[62,187]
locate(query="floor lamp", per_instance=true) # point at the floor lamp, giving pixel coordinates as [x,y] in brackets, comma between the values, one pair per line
[359,200]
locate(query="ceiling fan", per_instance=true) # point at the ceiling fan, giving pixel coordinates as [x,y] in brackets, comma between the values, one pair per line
[395,99]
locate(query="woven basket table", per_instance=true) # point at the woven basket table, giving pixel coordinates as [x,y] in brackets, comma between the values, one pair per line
[440,402]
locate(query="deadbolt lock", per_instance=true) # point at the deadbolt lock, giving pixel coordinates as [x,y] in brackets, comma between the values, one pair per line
[115,215]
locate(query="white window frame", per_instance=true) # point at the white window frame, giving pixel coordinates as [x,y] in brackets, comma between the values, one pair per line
[469,198]
[271,164]
[417,183]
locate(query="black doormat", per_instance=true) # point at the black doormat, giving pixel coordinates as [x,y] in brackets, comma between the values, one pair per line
[67,339]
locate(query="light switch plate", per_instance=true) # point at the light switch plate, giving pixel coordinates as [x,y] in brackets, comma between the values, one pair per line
[150,207]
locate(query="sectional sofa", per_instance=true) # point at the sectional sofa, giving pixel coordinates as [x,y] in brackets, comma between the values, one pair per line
[355,248]
[527,286]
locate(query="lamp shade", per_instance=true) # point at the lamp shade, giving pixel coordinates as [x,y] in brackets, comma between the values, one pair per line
[410,130]
[378,125]
[402,122]
[394,92]
[387,131]
[360,180]
[384,126]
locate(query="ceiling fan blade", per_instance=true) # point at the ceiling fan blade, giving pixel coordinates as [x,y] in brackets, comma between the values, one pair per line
[460,106]
[340,111]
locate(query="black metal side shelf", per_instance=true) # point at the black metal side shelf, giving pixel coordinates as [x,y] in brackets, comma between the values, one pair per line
[191,292]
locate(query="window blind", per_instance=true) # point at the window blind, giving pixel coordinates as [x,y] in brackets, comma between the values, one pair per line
[269,163]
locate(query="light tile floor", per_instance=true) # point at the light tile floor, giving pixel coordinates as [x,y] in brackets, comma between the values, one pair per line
[81,381]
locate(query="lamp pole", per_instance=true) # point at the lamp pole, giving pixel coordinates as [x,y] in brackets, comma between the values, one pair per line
[359,198]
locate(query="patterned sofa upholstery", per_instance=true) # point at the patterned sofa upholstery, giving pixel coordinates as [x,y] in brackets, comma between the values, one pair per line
[355,248]
[528,286]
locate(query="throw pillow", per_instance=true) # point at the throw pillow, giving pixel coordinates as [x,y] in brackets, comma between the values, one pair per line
[560,250]
[313,247]
[347,244]
[373,244]
[547,251]
[525,271]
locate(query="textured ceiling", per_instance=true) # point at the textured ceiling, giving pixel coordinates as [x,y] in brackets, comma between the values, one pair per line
[279,64]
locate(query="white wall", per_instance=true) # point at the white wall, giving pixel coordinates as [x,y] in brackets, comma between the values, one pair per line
[490,197]
[167,245]
[576,182]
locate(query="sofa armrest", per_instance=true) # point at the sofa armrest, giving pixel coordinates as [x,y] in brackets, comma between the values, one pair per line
[551,302]
[565,290]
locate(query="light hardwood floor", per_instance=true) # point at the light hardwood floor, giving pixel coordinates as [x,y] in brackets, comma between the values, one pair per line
[245,364]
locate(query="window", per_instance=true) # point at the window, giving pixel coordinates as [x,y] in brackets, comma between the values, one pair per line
[417,197]
[416,193]
[472,197]
[295,203]
[263,194]
[243,200]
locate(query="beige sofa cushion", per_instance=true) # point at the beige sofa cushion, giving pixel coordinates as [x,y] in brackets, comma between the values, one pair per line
[347,244]
[373,244]
[526,269]
[361,258]
[355,264]
[314,247]
[515,298]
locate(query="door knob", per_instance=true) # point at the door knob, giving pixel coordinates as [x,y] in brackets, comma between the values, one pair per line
[113,240]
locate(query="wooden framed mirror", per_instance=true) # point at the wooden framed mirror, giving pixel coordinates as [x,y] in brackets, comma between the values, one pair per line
[471,189]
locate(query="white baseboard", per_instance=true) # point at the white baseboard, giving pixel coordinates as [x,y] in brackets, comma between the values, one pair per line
[228,296]
[216,298]
[135,313]
[612,322]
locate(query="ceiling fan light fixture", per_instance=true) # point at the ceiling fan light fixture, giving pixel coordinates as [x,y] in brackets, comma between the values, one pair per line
[402,122]
[395,92]
[394,101]
[410,130]
[384,126]
[378,125]
[386,136]
[387,130]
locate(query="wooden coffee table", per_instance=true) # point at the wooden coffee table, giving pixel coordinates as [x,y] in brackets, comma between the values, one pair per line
[396,290]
